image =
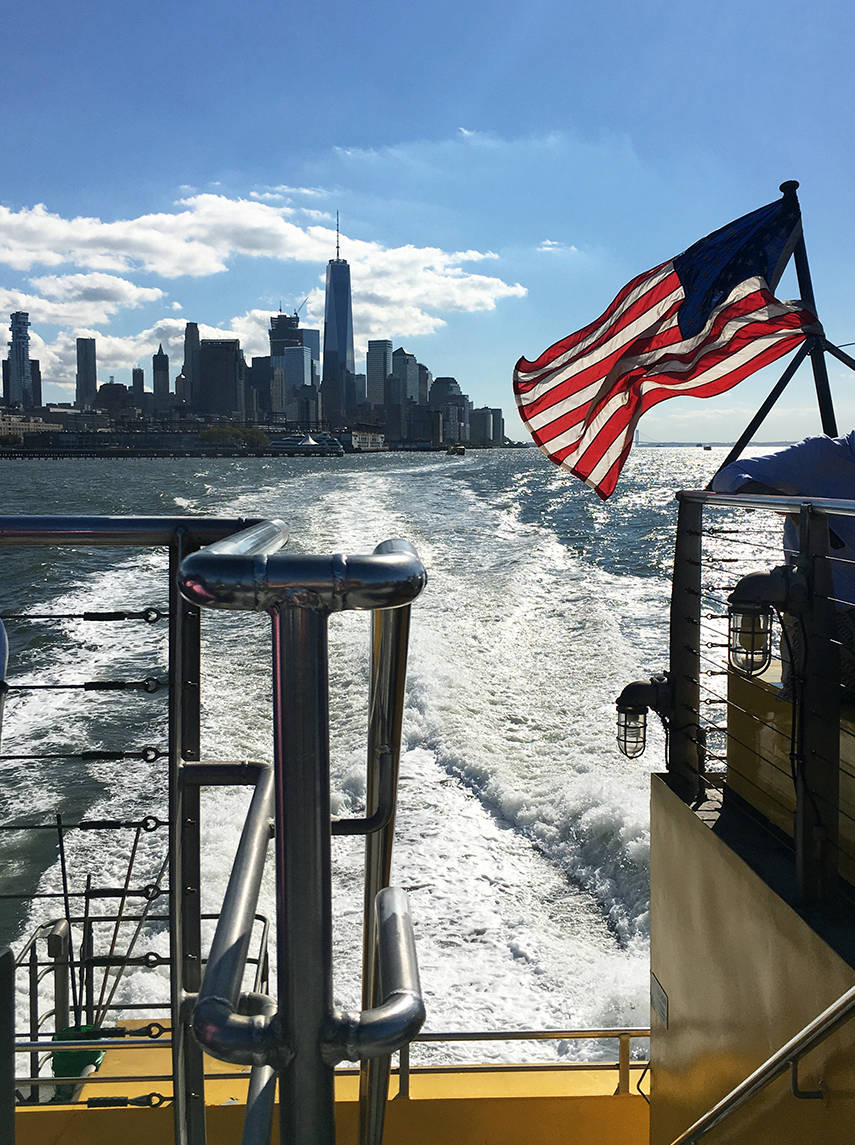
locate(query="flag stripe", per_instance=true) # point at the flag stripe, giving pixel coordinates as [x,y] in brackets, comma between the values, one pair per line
[668,357]
[632,302]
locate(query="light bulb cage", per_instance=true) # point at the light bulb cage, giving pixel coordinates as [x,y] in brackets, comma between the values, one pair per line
[749,637]
[632,707]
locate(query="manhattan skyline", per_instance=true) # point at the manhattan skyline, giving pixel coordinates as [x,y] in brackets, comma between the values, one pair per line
[493,198]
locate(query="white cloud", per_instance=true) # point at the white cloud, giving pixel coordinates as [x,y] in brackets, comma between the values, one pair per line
[201,237]
[551,246]
[77,300]
[95,287]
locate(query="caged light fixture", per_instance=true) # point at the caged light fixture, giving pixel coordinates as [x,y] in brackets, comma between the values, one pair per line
[632,705]
[749,615]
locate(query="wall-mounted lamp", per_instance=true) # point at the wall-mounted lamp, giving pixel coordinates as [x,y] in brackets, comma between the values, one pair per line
[749,615]
[632,705]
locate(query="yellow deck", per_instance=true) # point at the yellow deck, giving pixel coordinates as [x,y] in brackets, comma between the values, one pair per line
[463,1106]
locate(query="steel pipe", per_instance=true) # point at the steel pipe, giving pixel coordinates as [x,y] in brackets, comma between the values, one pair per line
[781,504]
[261,1094]
[4,664]
[261,583]
[73,530]
[779,1063]
[242,1038]
[7,1046]
[389,640]
[399,1017]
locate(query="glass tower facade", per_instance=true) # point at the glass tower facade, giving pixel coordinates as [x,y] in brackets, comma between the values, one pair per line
[20,382]
[338,374]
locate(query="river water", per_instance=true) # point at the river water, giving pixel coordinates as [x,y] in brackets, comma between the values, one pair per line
[522,833]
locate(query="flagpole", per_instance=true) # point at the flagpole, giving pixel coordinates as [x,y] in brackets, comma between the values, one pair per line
[817,349]
[760,415]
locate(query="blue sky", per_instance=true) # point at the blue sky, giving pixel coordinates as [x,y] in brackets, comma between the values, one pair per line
[501,171]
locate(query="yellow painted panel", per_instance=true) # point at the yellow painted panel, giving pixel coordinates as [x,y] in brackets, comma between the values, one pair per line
[758,757]
[463,1107]
[743,973]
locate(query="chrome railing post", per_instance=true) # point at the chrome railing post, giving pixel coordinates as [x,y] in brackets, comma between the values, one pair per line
[185,926]
[4,663]
[684,753]
[33,986]
[57,948]
[389,639]
[303,878]
[7,1046]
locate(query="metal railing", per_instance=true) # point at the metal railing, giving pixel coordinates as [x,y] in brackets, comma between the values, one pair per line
[786,1058]
[622,1035]
[300,1038]
[305,1037]
[711,733]
[180,536]
[702,748]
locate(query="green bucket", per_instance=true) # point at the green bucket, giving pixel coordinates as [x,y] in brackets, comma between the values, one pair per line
[72,1063]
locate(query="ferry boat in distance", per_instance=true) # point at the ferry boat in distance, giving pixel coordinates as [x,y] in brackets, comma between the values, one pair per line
[752,868]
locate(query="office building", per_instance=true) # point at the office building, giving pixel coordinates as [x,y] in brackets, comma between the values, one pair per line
[286,332]
[447,397]
[222,372]
[18,390]
[259,379]
[87,380]
[137,386]
[481,426]
[378,367]
[425,382]
[406,369]
[36,383]
[160,366]
[337,385]
[498,427]
[190,367]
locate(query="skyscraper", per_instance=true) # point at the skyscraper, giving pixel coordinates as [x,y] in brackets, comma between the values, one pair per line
[137,386]
[160,364]
[337,388]
[223,374]
[87,380]
[406,370]
[19,388]
[378,367]
[190,369]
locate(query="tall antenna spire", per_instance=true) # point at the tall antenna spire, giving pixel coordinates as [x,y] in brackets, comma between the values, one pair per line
[336,236]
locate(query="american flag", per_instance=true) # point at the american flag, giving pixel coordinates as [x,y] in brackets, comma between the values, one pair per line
[697,325]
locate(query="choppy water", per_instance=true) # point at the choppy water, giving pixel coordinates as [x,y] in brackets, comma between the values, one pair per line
[522,833]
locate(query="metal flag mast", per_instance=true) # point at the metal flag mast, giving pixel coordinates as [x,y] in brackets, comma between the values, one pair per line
[814,346]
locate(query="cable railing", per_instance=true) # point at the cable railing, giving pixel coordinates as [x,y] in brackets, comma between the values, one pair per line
[778,748]
[220,998]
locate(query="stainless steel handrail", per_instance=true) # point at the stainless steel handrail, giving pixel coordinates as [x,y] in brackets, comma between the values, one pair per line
[782,504]
[783,1059]
[389,638]
[236,1037]
[65,530]
[299,592]
[254,582]
[7,1046]
[399,1016]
